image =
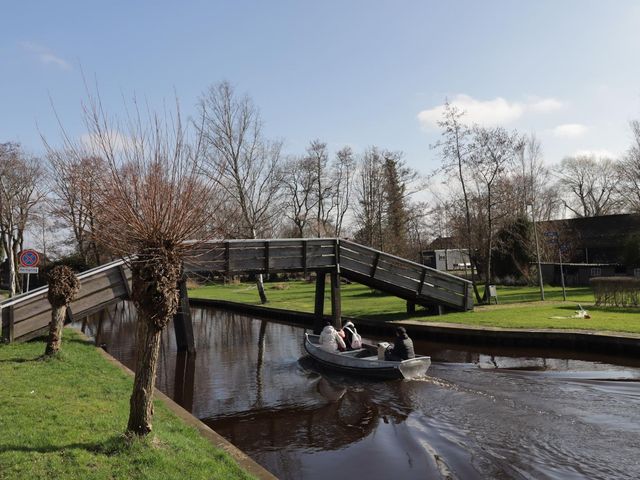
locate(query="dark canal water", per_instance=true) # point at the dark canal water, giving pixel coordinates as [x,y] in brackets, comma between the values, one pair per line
[492,414]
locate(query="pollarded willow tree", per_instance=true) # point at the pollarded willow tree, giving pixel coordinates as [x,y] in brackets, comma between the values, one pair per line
[157,201]
[63,287]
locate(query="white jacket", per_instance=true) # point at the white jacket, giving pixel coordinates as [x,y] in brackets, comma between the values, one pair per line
[330,340]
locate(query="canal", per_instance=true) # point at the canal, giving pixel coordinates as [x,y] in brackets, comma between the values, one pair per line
[479,412]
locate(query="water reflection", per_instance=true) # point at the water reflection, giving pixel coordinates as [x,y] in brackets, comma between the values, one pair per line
[184,379]
[481,413]
[344,417]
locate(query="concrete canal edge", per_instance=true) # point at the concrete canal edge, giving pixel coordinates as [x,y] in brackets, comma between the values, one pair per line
[244,461]
[614,343]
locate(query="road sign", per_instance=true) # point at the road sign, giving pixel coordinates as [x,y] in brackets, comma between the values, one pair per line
[29,258]
[28,269]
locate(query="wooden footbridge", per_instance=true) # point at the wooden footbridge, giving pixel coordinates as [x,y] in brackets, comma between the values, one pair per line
[27,315]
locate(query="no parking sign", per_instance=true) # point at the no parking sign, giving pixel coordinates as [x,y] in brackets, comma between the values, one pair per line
[29,260]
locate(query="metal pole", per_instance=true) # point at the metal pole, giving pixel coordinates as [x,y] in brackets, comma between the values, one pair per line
[564,293]
[535,234]
[28,275]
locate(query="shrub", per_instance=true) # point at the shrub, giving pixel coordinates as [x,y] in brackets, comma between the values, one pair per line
[616,291]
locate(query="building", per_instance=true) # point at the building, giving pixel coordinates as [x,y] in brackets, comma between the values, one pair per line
[446,259]
[593,240]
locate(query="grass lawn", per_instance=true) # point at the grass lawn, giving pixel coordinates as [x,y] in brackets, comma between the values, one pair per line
[517,307]
[63,418]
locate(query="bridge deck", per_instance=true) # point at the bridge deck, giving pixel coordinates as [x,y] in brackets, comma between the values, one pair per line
[27,315]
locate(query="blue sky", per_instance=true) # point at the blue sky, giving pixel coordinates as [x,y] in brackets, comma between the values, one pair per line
[348,72]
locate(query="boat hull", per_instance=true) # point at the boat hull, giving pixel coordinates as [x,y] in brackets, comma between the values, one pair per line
[365,362]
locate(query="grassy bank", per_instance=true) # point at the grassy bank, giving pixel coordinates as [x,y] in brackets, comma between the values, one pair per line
[517,307]
[63,419]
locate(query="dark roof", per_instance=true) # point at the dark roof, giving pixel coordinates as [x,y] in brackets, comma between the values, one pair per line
[593,232]
[442,243]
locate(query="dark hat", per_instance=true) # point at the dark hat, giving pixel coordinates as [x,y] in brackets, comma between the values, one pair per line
[401,331]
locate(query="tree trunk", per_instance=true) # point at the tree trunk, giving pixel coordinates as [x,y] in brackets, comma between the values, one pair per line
[12,266]
[55,330]
[487,273]
[467,215]
[155,276]
[141,402]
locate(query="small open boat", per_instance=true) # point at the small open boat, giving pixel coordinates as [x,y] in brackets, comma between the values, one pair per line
[365,361]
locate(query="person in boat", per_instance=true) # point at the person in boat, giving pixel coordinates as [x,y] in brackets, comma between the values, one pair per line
[330,340]
[348,333]
[402,348]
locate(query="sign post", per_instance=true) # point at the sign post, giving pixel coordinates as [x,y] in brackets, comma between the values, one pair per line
[29,260]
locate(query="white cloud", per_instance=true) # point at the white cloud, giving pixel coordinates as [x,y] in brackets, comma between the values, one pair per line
[498,111]
[570,130]
[545,105]
[45,56]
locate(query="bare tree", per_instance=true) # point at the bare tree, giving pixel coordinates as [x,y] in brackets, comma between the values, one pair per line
[318,192]
[589,185]
[241,161]
[157,201]
[343,171]
[298,181]
[369,192]
[629,172]
[318,156]
[533,183]
[74,184]
[493,152]
[455,147]
[383,185]
[19,194]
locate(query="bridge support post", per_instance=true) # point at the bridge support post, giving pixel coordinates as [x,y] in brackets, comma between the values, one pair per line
[411,307]
[182,323]
[318,322]
[336,304]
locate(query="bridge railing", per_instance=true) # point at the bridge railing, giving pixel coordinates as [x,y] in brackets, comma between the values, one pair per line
[263,256]
[27,315]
